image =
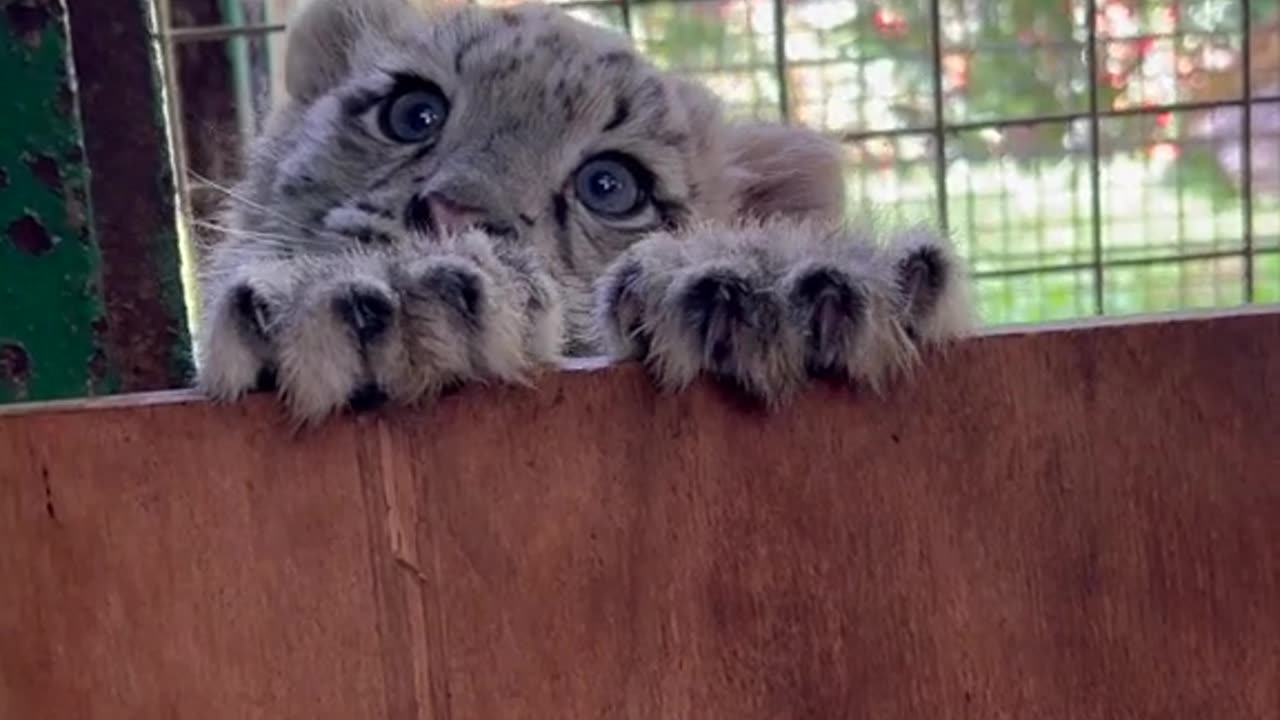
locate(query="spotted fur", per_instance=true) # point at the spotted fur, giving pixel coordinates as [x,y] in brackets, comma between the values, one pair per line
[355,268]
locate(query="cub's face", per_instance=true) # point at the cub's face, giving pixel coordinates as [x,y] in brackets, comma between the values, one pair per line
[526,122]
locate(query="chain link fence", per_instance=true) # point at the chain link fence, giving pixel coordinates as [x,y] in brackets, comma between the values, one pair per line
[1090,156]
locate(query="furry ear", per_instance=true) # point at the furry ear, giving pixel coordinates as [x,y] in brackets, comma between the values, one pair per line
[321,37]
[784,170]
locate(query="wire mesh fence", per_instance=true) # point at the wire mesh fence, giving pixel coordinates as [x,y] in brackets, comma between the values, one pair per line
[1089,156]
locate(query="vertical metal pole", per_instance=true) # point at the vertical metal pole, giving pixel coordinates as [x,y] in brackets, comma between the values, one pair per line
[939,116]
[780,59]
[144,333]
[172,100]
[241,62]
[1095,157]
[1246,147]
[50,269]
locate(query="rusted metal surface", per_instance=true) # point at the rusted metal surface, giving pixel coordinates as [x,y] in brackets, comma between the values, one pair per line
[144,333]
[50,297]
[90,292]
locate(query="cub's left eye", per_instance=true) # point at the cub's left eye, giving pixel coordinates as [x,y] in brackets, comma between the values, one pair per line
[613,185]
[414,115]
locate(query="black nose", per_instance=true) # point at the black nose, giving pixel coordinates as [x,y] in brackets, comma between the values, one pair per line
[267,380]
[367,398]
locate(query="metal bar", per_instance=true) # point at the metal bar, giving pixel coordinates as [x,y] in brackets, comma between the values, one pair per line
[197,33]
[177,140]
[1181,201]
[238,58]
[1130,255]
[1246,147]
[1095,157]
[145,336]
[780,59]
[172,93]
[1015,46]
[1122,262]
[51,308]
[216,32]
[999,124]
[939,117]
[626,18]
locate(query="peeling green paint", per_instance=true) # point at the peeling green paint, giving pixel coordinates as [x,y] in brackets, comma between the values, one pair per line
[50,298]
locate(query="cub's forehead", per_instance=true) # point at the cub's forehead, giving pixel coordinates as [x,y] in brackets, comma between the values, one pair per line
[471,41]
[532,56]
[540,36]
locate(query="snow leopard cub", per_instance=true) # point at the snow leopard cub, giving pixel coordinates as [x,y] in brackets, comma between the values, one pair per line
[467,195]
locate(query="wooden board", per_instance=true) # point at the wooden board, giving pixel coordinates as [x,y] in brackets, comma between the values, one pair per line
[1063,525]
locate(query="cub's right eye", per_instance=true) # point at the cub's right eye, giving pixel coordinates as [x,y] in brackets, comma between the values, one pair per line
[413,114]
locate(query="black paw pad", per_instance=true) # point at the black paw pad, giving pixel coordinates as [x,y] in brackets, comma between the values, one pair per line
[255,314]
[367,398]
[832,308]
[717,306]
[460,289]
[922,277]
[266,381]
[367,311]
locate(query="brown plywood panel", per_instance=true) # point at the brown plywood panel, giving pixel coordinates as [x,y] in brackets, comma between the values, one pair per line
[183,561]
[1069,524]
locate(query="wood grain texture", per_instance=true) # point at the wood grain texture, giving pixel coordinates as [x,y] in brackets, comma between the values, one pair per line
[1063,525]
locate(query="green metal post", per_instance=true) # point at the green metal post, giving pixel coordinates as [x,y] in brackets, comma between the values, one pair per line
[50,294]
[90,276]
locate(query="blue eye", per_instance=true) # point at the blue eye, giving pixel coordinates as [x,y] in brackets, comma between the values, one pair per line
[414,116]
[612,185]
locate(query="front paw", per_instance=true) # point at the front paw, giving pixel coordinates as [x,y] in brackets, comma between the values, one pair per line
[763,332]
[765,308]
[323,333]
[396,331]
[350,332]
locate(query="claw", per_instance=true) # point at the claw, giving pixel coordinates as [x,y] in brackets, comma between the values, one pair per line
[718,305]
[253,310]
[367,311]
[832,308]
[922,278]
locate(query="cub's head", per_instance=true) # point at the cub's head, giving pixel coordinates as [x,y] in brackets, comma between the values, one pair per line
[524,121]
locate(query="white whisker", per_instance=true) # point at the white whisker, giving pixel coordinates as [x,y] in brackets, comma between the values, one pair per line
[275,214]
[278,238]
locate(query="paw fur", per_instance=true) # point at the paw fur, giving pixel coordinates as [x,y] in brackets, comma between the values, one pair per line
[766,307]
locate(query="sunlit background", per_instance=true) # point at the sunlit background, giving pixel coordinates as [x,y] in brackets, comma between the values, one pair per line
[1076,183]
